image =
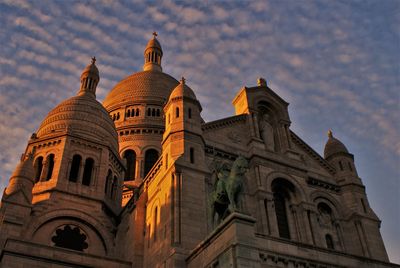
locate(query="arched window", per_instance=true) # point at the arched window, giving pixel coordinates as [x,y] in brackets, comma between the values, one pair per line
[114,186]
[117,115]
[150,159]
[130,157]
[148,112]
[329,241]
[177,112]
[190,113]
[340,165]
[153,112]
[155,217]
[38,168]
[108,182]
[70,237]
[137,111]
[158,112]
[87,171]
[282,192]
[128,114]
[50,166]
[281,215]
[74,171]
[192,155]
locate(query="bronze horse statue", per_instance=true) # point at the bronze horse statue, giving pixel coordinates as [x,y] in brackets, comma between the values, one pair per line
[228,189]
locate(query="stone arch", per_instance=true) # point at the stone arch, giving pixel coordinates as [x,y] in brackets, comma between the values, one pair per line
[320,196]
[271,105]
[276,174]
[151,156]
[131,159]
[78,217]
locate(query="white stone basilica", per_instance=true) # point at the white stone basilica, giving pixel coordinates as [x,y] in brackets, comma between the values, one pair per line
[142,181]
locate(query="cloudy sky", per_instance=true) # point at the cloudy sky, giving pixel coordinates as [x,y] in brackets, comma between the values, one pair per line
[335,62]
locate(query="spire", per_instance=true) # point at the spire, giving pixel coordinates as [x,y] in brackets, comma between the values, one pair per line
[152,55]
[89,79]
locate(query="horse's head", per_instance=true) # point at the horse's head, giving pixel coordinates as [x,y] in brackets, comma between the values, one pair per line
[240,165]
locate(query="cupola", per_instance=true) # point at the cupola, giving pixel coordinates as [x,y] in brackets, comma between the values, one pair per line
[89,79]
[152,55]
[333,146]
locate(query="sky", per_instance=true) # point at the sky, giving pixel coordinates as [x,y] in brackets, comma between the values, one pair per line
[335,62]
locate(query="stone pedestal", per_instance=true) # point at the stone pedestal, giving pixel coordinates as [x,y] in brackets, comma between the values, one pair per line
[231,244]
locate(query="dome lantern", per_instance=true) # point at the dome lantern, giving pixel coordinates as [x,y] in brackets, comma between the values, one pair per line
[89,79]
[152,55]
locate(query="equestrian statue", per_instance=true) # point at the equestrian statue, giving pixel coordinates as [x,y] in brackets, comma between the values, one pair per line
[228,189]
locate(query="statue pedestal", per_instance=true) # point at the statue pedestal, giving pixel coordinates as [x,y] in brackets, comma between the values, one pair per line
[231,244]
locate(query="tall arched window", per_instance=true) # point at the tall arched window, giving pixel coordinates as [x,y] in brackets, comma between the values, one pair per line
[191,154]
[128,113]
[177,112]
[329,241]
[190,113]
[137,111]
[155,217]
[114,186]
[74,171]
[50,166]
[87,171]
[108,182]
[281,215]
[38,168]
[130,157]
[150,158]
[282,191]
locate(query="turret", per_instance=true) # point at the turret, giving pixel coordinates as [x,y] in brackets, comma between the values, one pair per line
[338,156]
[182,119]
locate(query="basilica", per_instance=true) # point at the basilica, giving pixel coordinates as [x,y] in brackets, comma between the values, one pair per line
[141,180]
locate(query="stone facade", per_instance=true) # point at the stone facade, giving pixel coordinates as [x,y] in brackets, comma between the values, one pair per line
[131,183]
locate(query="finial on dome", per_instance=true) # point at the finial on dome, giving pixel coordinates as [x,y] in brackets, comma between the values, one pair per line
[330,135]
[155,34]
[183,80]
[93,60]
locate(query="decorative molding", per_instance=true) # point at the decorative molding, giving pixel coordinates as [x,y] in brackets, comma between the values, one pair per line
[323,184]
[224,122]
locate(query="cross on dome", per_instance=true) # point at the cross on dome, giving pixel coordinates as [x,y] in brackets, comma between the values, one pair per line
[155,34]
[330,135]
[183,80]
[93,60]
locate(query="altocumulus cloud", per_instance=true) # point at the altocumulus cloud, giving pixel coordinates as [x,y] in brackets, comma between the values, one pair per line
[336,62]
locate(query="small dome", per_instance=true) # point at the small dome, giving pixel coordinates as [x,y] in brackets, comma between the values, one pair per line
[141,87]
[333,146]
[22,176]
[82,116]
[182,90]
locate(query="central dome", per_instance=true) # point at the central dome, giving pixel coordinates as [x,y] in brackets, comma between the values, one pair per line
[142,86]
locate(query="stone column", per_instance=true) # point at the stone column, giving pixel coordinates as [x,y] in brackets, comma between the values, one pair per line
[45,169]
